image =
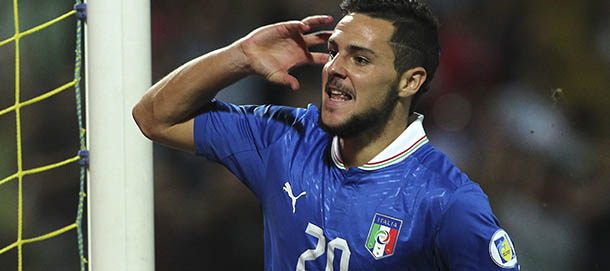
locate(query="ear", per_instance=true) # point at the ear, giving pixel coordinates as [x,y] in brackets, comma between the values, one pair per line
[411,81]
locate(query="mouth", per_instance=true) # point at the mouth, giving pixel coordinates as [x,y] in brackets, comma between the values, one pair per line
[337,93]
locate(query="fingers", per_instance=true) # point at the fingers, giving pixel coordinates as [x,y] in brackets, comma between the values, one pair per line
[306,24]
[285,79]
[317,38]
[295,26]
[317,20]
[319,58]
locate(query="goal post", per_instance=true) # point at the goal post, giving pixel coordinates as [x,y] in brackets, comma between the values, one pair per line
[120,184]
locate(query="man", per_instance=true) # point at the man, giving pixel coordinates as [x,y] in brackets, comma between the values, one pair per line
[354,185]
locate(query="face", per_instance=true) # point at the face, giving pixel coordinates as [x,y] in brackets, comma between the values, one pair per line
[358,81]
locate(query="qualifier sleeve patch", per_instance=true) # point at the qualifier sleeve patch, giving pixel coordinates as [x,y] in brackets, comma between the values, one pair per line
[502,250]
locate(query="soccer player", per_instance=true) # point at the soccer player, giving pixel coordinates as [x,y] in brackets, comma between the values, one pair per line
[354,184]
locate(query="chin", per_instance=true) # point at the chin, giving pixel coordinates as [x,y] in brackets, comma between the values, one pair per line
[357,124]
[330,121]
[330,128]
[346,129]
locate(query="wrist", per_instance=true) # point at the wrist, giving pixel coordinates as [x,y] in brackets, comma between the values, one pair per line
[240,61]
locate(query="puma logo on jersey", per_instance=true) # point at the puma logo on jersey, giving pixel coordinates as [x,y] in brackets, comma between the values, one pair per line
[288,190]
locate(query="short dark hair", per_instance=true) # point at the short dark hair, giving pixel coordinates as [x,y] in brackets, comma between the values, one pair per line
[415,39]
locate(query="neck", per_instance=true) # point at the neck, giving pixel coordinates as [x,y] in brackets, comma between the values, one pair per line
[361,149]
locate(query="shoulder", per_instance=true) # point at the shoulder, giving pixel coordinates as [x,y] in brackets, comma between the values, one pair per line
[437,163]
[257,126]
[449,192]
[448,188]
[463,216]
[469,202]
[470,222]
[440,175]
[285,114]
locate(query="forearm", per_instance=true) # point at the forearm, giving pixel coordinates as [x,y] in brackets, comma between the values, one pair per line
[165,113]
[179,95]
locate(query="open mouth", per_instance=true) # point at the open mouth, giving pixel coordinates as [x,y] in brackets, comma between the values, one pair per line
[337,94]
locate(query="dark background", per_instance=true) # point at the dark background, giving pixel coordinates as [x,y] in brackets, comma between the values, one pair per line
[520,103]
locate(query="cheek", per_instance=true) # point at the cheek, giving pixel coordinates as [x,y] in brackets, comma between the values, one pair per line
[371,84]
[363,83]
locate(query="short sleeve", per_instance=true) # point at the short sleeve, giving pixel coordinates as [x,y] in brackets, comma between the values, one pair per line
[470,237]
[238,136]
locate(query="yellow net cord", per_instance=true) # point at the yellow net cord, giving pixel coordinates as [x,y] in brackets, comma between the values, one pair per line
[17,109]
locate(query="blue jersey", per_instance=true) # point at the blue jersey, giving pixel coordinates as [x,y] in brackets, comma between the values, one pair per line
[409,208]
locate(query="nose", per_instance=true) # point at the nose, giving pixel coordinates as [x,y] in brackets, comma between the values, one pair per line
[336,67]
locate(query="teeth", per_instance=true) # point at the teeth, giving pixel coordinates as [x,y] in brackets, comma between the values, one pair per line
[338,95]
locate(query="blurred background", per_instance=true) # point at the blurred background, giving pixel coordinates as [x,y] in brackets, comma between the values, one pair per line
[520,103]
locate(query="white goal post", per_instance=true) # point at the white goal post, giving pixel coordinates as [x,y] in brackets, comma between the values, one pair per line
[120,184]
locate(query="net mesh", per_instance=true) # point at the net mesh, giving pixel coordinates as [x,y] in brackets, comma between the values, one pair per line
[81,154]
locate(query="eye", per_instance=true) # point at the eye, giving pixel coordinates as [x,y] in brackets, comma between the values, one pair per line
[360,60]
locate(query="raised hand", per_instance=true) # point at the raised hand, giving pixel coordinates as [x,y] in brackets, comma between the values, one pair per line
[273,50]
[165,113]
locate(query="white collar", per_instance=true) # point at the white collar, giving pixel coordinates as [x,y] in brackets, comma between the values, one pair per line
[411,139]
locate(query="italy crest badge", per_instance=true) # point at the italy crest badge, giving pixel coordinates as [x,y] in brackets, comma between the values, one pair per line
[383,236]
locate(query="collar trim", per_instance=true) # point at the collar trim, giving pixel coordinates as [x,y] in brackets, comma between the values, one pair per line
[402,147]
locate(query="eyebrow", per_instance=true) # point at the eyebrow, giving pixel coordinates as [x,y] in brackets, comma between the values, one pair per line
[353,48]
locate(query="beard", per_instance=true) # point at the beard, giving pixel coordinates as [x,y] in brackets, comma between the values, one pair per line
[366,121]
